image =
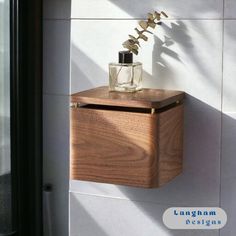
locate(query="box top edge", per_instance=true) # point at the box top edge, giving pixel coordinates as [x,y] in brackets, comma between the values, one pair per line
[146,98]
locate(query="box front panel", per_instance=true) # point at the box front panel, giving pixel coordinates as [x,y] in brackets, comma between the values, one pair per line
[114,147]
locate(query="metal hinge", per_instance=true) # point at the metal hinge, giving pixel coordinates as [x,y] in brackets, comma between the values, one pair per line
[74,105]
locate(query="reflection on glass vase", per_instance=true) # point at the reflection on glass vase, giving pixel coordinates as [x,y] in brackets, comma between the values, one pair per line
[125,76]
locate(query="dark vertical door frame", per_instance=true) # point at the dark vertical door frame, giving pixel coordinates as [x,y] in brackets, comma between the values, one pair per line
[26,116]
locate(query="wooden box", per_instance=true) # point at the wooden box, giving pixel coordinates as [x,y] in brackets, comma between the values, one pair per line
[131,139]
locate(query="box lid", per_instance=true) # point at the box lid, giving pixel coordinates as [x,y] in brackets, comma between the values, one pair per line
[146,98]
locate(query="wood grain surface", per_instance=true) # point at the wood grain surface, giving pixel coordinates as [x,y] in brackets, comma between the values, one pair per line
[113,146]
[146,98]
[129,148]
[170,161]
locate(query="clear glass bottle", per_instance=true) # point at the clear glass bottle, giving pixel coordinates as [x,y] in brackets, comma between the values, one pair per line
[125,76]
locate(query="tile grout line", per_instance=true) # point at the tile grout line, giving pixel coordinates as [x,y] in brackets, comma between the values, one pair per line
[56,19]
[130,19]
[140,18]
[222,97]
[56,94]
[131,200]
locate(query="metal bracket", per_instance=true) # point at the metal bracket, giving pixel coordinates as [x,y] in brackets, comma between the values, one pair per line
[74,105]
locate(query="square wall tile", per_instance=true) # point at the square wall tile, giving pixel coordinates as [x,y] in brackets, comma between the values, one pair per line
[228,175]
[89,217]
[56,9]
[228,162]
[56,159]
[138,9]
[230,8]
[228,196]
[229,70]
[56,57]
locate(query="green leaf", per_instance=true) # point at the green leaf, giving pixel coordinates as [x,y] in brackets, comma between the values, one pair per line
[150,16]
[144,37]
[143,24]
[153,19]
[152,24]
[129,44]
[157,15]
[135,47]
[134,51]
[134,39]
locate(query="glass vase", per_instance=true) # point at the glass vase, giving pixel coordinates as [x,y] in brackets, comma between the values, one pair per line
[125,77]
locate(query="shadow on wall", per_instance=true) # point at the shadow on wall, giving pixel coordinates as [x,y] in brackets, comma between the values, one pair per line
[161,68]
[229,65]
[163,55]
[194,7]
[81,65]
[228,174]
[162,72]
[86,222]
[178,32]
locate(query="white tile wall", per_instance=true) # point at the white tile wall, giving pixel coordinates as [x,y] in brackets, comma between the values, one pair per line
[56,57]
[137,9]
[56,158]
[228,175]
[230,6]
[228,147]
[228,204]
[228,162]
[191,63]
[56,86]
[103,216]
[229,101]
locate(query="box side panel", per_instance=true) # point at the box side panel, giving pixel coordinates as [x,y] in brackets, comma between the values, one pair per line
[170,144]
[113,147]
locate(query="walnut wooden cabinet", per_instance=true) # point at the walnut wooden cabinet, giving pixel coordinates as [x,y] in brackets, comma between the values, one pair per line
[133,139]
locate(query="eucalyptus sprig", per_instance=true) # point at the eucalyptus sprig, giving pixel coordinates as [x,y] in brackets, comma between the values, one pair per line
[153,19]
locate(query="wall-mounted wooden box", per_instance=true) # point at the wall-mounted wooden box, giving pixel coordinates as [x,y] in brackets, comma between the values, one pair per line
[132,139]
